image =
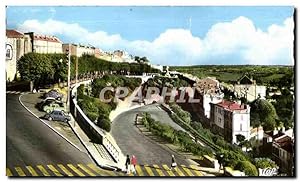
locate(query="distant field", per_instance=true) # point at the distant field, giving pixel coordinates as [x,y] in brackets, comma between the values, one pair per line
[231,73]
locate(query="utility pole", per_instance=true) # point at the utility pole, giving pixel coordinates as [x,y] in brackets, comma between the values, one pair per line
[69,75]
[76,80]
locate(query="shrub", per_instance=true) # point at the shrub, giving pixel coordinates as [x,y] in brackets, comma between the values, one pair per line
[247,167]
[264,163]
[104,124]
[80,91]
[92,116]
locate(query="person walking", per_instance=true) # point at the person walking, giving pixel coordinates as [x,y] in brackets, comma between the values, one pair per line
[127,163]
[173,163]
[133,163]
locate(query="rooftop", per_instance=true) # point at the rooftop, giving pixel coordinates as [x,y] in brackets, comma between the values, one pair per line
[46,38]
[14,34]
[229,105]
[285,142]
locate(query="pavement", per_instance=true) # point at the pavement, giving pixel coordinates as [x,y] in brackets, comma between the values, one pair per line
[31,142]
[133,142]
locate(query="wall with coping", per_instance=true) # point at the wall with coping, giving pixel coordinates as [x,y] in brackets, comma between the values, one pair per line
[94,131]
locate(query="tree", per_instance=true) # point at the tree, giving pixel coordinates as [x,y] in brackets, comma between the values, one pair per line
[36,68]
[240,138]
[263,163]
[263,112]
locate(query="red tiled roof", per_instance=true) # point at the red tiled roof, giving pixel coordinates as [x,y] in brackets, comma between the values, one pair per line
[46,38]
[230,105]
[14,34]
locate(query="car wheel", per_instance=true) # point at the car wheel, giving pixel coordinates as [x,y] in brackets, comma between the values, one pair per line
[48,111]
[58,98]
[66,120]
[50,119]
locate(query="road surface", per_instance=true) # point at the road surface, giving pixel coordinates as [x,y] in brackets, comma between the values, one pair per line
[131,141]
[30,142]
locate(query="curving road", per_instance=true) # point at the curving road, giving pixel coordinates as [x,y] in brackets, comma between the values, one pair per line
[30,142]
[131,141]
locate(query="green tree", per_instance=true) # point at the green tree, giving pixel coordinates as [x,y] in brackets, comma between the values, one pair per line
[247,167]
[36,68]
[263,163]
[263,112]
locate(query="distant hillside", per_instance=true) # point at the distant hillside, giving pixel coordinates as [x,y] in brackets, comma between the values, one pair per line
[263,74]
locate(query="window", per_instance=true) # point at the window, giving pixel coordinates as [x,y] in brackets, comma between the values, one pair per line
[241,127]
[242,117]
[219,120]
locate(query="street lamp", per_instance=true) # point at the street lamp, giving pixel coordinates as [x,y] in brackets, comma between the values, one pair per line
[69,75]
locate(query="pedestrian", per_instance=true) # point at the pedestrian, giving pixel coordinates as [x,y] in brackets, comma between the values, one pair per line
[133,163]
[173,163]
[127,163]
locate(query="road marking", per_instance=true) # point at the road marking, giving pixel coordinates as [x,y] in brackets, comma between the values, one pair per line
[187,170]
[149,171]
[65,170]
[54,170]
[101,172]
[86,170]
[168,170]
[196,170]
[32,171]
[158,170]
[20,171]
[8,172]
[139,170]
[43,170]
[178,171]
[75,170]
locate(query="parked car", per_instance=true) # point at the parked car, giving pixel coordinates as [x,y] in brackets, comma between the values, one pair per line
[53,106]
[48,101]
[54,93]
[57,116]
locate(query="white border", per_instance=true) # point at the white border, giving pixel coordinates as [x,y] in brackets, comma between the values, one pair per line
[117,3]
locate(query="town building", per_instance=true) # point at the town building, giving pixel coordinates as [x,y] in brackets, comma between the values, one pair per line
[44,44]
[280,145]
[230,119]
[207,90]
[98,53]
[78,49]
[282,153]
[246,87]
[17,44]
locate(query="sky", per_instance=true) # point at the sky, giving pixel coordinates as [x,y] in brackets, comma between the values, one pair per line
[169,35]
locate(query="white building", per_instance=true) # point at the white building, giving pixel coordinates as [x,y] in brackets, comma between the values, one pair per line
[246,87]
[230,119]
[17,44]
[45,44]
[79,49]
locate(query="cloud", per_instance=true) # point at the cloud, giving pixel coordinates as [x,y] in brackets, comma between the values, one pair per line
[235,42]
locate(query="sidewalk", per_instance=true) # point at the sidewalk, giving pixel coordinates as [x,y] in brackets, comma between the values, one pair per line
[97,151]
